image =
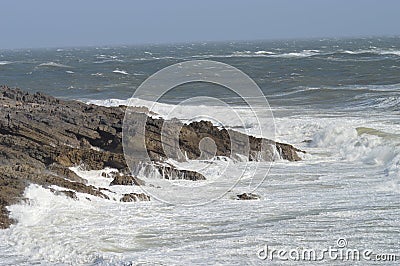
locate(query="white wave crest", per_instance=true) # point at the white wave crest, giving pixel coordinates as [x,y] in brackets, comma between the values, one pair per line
[3,63]
[370,149]
[304,53]
[53,64]
[264,52]
[373,51]
[123,72]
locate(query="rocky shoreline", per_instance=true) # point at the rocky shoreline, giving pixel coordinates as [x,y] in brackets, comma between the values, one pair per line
[41,137]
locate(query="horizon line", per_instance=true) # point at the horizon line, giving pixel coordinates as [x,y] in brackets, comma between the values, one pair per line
[167,43]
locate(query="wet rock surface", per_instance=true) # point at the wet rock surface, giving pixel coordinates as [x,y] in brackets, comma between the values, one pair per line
[133,197]
[248,196]
[127,180]
[41,137]
[182,141]
[67,193]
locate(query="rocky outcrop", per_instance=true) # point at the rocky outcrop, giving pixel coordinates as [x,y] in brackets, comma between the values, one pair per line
[133,197]
[41,137]
[15,178]
[247,196]
[66,173]
[68,193]
[199,140]
[171,173]
[126,180]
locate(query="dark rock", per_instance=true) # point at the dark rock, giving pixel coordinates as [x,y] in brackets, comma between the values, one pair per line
[67,193]
[112,174]
[19,176]
[41,137]
[248,196]
[66,173]
[182,141]
[133,197]
[168,172]
[5,221]
[11,191]
[288,152]
[127,180]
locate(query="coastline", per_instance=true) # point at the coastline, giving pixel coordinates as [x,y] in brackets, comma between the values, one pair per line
[41,137]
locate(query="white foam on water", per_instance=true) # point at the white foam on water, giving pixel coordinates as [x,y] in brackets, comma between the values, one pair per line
[57,229]
[350,146]
[300,90]
[377,148]
[3,63]
[302,54]
[97,74]
[107,102]
[345,173]
[123,72]
[264,52]
[53,64]
[39,234]
[374,51]
[393,88]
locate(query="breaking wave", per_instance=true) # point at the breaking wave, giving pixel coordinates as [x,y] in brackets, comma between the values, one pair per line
[372,51]
[123,72]
[53,64]
[3,63]
[366,145]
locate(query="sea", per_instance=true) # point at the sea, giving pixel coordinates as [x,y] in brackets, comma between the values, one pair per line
[336,99]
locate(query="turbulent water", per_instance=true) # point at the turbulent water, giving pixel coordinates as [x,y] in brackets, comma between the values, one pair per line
[339,100]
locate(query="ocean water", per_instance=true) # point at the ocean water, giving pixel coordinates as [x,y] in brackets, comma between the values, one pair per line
[337,99]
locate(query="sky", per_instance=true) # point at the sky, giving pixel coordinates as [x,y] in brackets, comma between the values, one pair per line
[61,23]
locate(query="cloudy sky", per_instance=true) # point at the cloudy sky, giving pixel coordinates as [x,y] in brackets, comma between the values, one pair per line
[60,23]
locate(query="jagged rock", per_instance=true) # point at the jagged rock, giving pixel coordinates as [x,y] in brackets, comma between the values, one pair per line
[127,180]
[133,197]
[91,159]
[182,141]
[288,152]
[22,175]
[112,174]
[67,193]
[11,191]
[41,137]
[248,196]
[66,172]
[168,172]
[5,221]
[14,179]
